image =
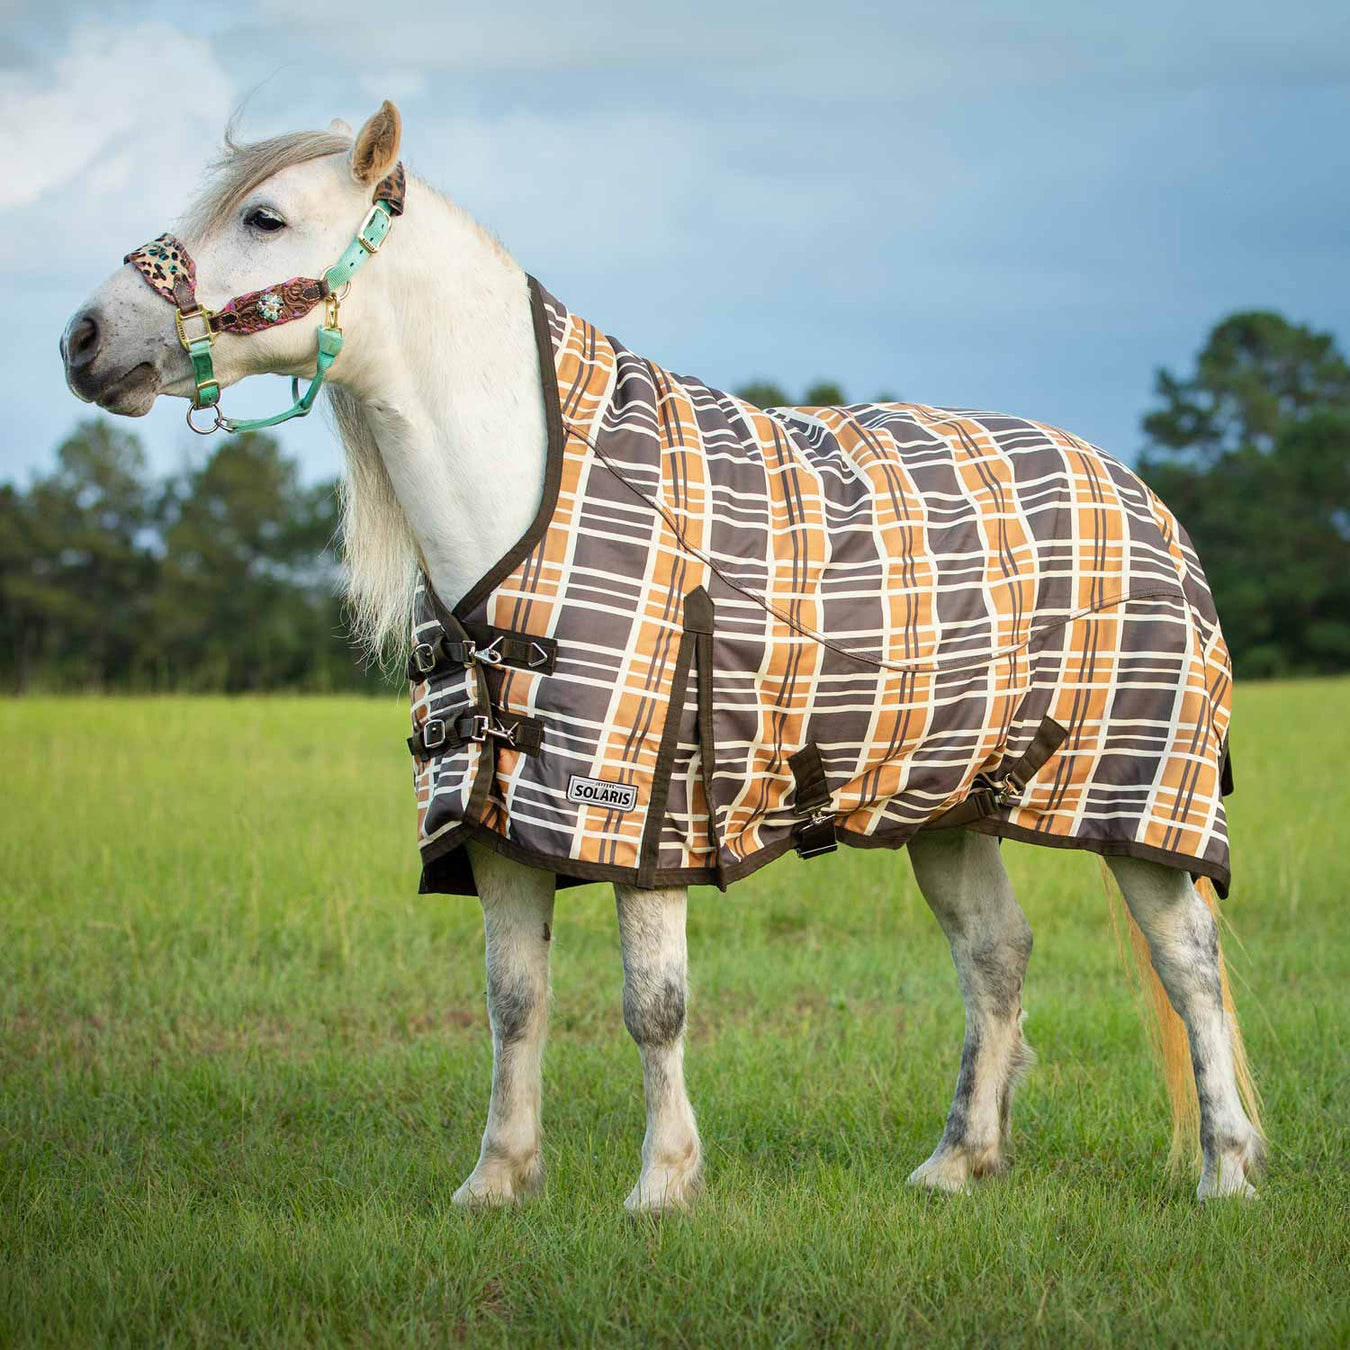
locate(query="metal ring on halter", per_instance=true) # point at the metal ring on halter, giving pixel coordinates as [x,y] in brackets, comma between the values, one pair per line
[205,431]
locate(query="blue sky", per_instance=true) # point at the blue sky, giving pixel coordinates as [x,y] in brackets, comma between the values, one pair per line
[1022,207]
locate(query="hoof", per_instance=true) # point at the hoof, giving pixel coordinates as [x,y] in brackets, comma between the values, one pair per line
[666,1190]
[948,1173]
[1244,1190]
[1228,1176]
[952,1170]
[496,1185]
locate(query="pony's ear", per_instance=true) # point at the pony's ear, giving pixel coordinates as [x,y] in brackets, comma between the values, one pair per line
[341,128]
[376,150]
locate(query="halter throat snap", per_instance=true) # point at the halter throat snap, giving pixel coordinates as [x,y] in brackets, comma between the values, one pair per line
[168,269]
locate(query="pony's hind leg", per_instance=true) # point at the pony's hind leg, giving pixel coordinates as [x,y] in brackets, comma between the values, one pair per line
[962,877]
[518,920]
[1183,945]
[651,933]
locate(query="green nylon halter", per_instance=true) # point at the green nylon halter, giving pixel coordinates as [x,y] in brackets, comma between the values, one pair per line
[366,243]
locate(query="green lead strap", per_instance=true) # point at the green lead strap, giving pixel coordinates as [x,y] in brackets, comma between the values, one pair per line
[330,344]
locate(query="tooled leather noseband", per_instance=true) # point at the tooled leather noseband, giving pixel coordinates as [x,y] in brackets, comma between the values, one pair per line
[168,269]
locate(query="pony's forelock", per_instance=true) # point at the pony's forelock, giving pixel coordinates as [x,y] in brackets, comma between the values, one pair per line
[243,165]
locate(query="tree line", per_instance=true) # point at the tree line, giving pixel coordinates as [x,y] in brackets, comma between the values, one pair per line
[224,577]
[220,578]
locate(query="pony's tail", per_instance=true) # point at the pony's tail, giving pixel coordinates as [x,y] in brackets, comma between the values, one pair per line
[1167,1032]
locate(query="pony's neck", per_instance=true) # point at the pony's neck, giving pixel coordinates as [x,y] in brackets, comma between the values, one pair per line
[442,365]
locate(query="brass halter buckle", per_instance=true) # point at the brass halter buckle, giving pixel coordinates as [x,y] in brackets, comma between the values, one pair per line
[180,319]
[379,209]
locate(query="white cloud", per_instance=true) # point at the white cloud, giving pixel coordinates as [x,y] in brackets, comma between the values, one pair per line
[116,103]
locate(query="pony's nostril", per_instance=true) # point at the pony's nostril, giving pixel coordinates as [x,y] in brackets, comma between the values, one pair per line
[82,340]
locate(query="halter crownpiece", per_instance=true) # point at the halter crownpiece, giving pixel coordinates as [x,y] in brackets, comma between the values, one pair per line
[168,269]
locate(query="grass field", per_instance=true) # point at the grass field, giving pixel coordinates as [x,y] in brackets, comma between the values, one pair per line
[245,1066]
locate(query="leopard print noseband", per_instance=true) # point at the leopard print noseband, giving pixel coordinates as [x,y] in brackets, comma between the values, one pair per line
[169,271]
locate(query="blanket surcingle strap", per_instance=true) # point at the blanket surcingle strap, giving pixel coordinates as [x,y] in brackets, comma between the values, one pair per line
[731,632]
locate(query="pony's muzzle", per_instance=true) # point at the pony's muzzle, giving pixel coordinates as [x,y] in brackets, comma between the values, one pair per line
[84,352]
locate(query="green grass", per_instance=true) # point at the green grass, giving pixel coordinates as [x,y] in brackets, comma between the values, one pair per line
[244,1067]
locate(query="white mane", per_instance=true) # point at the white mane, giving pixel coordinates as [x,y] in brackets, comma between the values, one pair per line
[379,551]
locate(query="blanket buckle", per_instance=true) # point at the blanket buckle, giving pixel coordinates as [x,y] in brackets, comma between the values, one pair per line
[430,658]
[816,835]
[424,658]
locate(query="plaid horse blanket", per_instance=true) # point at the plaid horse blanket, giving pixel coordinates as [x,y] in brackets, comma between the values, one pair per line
[733,631]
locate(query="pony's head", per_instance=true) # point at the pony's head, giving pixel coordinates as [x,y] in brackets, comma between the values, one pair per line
[275,211]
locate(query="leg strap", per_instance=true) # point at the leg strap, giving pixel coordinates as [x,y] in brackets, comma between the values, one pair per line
[816,834]
[1005,786]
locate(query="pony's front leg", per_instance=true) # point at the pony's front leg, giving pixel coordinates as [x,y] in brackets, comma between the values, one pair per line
[518,920]
[964,881]
[651,932]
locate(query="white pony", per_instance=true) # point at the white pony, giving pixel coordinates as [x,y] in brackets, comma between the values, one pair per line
[439,405]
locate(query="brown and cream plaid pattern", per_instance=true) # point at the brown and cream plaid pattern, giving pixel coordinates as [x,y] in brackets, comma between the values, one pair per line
[911,590]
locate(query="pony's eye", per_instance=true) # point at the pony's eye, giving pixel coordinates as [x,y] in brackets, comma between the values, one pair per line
[264,220]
